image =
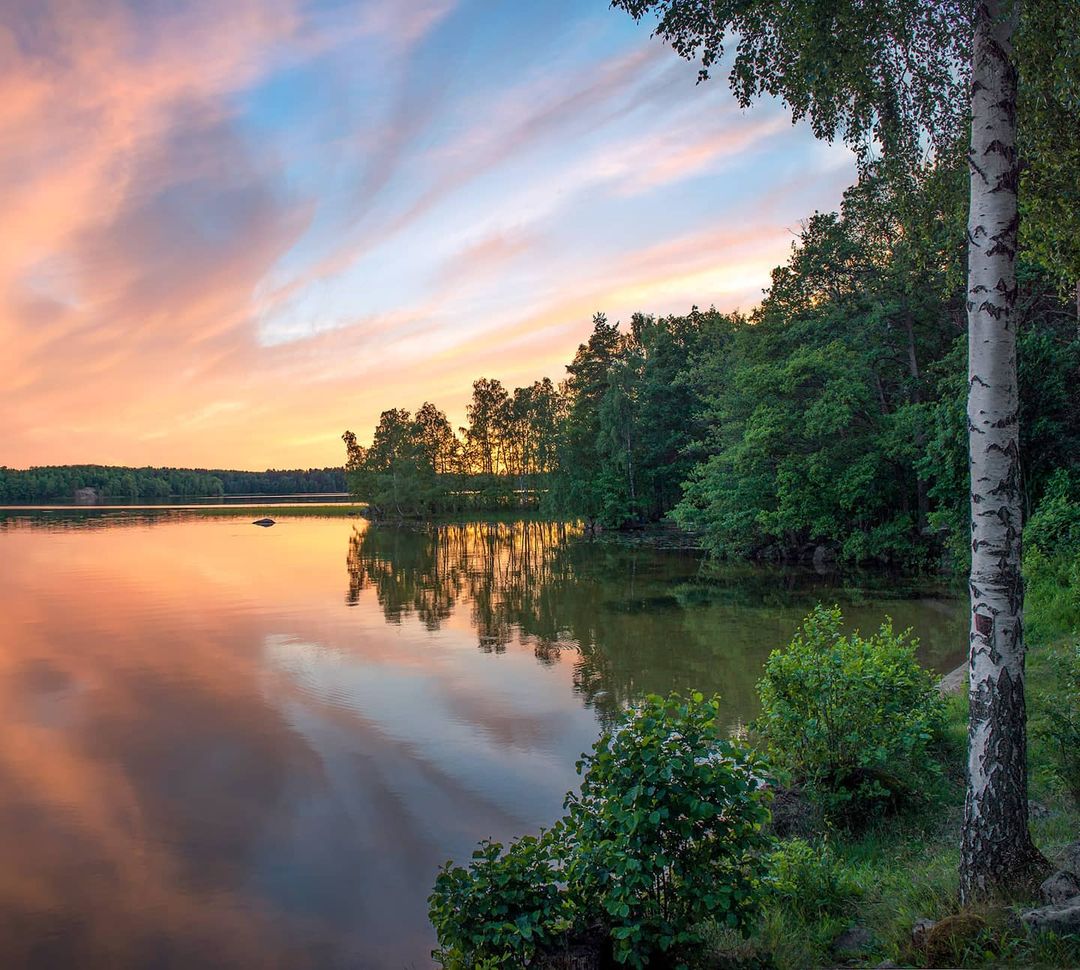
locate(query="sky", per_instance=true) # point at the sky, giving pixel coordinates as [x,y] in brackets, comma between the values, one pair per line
[233,230]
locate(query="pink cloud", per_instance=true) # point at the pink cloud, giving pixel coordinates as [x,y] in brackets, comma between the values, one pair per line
[149,238]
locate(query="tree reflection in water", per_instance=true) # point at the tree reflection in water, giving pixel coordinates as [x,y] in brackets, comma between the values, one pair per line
[630,618]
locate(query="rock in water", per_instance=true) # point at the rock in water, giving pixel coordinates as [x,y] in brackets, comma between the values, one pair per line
[263,522]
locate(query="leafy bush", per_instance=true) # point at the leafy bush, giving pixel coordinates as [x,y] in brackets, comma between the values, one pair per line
[808,880]
[1055,526]
[1057,721]
[851,718]
[668,828]
[1051,594]
[502,908]
[1052,560]
[666,831]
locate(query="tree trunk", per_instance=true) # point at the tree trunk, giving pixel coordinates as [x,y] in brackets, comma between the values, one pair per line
[997,854]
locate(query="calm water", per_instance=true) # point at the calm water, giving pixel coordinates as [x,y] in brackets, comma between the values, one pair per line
[229,746]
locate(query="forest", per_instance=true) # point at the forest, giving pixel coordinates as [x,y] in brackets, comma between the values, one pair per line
[830,418]
[59,482]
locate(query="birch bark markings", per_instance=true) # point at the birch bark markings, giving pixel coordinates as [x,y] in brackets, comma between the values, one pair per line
[997,852]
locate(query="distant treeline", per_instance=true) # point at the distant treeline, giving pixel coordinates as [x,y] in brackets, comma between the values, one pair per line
[831,419]
[60,482]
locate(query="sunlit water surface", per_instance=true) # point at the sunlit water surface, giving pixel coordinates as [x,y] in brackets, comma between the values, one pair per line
[228,746]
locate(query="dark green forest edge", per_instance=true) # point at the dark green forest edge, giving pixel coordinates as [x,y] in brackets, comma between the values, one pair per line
[830,418]
[61,482]
[828,423]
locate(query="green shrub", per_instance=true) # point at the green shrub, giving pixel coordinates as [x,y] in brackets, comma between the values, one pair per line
[1057,717]
[851,718]
[502,908]
[809,881]
[1055,526]
[1051,594]
[1052,561]
[668,828]
[666,831]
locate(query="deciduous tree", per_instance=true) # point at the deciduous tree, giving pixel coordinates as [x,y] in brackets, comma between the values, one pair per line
[886,76]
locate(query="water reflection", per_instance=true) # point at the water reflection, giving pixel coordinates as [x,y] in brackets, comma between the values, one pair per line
[634,619]
[207,758]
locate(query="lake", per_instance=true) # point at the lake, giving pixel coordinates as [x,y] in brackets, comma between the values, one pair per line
[229,746]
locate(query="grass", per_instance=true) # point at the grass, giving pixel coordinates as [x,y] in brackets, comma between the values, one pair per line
[905,868]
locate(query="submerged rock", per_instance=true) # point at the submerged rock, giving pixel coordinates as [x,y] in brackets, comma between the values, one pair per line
[263,522]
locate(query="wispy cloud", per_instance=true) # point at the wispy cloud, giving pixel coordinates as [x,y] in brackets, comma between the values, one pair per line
[232,229]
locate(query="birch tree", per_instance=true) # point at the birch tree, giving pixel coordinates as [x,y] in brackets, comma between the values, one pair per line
[996,846]
[890,78]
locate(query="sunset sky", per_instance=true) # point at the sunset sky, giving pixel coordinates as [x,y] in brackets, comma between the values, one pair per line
[233,229]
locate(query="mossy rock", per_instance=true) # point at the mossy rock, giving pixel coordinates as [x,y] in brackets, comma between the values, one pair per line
[950,936]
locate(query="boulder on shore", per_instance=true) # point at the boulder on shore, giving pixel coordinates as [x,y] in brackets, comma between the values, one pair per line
[955,681]
[855,941]
[1069,858]
[920,931]
[1062,919]
[1060,887]
[948,937]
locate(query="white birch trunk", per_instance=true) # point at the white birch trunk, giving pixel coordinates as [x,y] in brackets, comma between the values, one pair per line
[997,852]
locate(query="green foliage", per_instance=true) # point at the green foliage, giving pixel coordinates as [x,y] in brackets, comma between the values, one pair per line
[1048,51]
[668,828]
[59,482]
[853,719]
[814,413]
[630,419]
[809,880]
[832,420]
[1056,721]
[666,831]
[1055,527]
[1052,560]
[885,75]
[893,872]
[503,907]
[402,473]
[417,465]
